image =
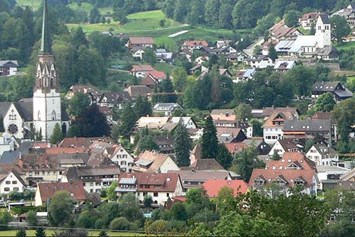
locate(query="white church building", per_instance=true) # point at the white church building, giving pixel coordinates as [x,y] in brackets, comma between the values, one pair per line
[38,115]
[311,46]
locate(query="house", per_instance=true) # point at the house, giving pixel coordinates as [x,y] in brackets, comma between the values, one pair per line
[141,71]
[153,78]
[261,62]
[280,31]
[8,67]
[292,170]
[284,66]
[197,163]
[153,162]
[114,99]
[7,143]
[11,181]
[165,144]
[339,91]
[273,125]
[224,72]
[121,157]
[45,192]
[188,122]
[93,93]
[152,122]
[230,135]
[237,57]
[86,142]
[213,186]
[160,187]
[136,91]
[224,118]
[138,52]
[143,42]
[166,108]
[322,155]
[94,179]
[192,45]
[308,20]
[329,175]
[287,145]
[244,75]
[349,14]
[268,111]
[163,56]
[195,178]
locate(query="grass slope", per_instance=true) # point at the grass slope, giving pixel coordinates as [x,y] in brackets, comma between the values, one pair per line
[35,4]
[346,46]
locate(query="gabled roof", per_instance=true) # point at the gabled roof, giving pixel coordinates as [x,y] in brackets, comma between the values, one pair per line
[328,86]
[146,182]
[268,111]
[138,90]
[205,164]
[143,67]
[151,162]
[141,40]
[324,18]
[82,141]
[348,176]
[166,106]
[223,114]
[213,186]
[194,43]
[308,125]
[9,63]
[4,107]
[290,144]
[115,97]
[9,157]
[78,173]
[75,188]
[201,175]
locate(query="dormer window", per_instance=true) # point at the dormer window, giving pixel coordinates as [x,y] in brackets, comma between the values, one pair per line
[299,181]
[279,181]
[259,182]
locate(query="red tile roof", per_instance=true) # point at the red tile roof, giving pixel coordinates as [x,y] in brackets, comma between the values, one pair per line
[158,75]
[194,43]
[65,150]
[237,147]
[75,188]
[152,182]
[213,186]
[144,67]
[141,40]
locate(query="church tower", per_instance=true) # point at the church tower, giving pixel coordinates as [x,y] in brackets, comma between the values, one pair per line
[323,31]
[46,95]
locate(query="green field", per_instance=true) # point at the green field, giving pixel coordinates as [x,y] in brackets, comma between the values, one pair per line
[35,4]
[31,233]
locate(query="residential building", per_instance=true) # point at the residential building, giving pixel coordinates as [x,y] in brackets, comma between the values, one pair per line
[11,181]
[8,67]
[166,108]
[93,93]
[122,158]
[141,71]
[153,162]
[212,187]
[138,52]
[322,155]
[143,42]
[349,14]
[163,56]
[94,179]
[153,79]
[114,99]
[165,144]
[292,170]
[135,91]
[287,145]
[261,62]
[192,45]
[284,66]
[160,187]
[339,91]
[230,135]
[45,192]
[308,20]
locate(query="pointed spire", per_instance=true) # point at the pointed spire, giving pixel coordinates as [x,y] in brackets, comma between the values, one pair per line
[45,41]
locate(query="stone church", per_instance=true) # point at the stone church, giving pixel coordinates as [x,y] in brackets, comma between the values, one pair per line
[38,115]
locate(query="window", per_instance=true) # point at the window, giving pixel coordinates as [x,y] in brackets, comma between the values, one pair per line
[258,182]
[155,194]
[14,182]
[16,189]
[299,181]
[54,115]
[168,194]
[6,189]
[8,182]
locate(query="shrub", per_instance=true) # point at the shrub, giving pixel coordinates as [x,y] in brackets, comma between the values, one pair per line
[120,223]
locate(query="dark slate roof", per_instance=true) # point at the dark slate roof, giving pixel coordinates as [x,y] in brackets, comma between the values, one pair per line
[324,18]
[25,108]
[4,107]
[311,125]
[9,157]
[343,93]
[329,86]
[9,63]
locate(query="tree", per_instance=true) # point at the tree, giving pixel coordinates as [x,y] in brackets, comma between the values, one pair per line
[103,234]
[142,107]
[111,193]
[78,104]
[224,157]
[182,145]
[40,232]
[60,208]
[178,212]
[21,233]
[5,218]
[291,18]
[325,102]
[243,112]
[340,27]
[345,118]
[147,143]
[149,56]
[148,201]
[226,202]
[209,142]
[246,161]
[94,16]
[120,223]
[57,135]
[31,218]
[87,218]
[179,76]
[272,53]
[128,120]
[120,14]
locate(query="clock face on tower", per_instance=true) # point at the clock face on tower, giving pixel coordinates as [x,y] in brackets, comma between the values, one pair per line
[12,129]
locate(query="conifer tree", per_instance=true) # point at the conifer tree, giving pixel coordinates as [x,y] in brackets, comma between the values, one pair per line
[182,145]
[209,140]
[57,135]
[40,232]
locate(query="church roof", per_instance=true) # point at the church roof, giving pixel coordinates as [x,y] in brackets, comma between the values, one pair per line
[324,18]
[4,107]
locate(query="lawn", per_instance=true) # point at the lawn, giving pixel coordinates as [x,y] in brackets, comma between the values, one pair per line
[35,4]
[31,233]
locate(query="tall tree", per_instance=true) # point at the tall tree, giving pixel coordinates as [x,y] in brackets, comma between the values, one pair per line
[325,102]
[212,12]
[142,107]
[40,232]
[179,76]
[344,115]
[340,27]
[182,145]
[78,104]
[209,143]
[60,208]
[57,135]
[128,120]
[224,157]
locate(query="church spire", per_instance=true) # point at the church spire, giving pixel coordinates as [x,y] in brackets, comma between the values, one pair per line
[45,41]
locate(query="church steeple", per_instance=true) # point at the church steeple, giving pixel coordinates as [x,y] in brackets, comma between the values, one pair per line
[45,40]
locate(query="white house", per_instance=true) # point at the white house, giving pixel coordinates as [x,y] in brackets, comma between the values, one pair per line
[160,187]
[166,108]
[8,67]
[7,143]
[322,155]
[138,53]
[153,162]
[261,62]
[285,145]
[122,158]
[11,182]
